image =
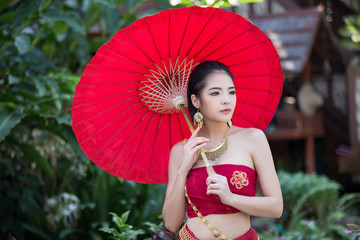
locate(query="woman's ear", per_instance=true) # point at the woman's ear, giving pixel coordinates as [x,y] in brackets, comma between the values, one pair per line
[195,101]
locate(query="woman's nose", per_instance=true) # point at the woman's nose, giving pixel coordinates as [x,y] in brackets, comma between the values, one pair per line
[225,98]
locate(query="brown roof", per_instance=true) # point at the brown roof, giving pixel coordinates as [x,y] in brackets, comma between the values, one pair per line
[293,35]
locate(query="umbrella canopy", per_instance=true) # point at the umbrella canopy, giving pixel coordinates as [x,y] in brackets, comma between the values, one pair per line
[123,110]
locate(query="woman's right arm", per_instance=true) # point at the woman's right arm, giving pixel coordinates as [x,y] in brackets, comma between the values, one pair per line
[182,158]
[174,205]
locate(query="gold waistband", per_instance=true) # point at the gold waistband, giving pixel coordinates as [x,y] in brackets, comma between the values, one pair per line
[185,235]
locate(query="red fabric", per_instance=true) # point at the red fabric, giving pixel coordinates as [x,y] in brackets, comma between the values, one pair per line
[250,235]
[122,134]
[211,204]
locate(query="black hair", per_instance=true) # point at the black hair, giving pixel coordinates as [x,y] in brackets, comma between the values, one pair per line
[197,80]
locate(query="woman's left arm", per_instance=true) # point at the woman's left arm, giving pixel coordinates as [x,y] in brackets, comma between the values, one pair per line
[268,205]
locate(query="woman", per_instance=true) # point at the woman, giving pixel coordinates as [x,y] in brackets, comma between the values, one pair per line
[239,156]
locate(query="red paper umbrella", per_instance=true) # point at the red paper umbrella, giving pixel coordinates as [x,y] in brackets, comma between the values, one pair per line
[124,115]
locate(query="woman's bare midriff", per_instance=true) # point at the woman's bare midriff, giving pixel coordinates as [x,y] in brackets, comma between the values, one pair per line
[231,225]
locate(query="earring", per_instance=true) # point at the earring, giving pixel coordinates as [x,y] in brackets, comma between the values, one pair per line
[229,123]
[199,118]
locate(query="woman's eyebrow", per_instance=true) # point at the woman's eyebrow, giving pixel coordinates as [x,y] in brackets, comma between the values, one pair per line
[218,88]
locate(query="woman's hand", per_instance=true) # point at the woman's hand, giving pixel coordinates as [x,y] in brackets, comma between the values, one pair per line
[191,147]
[218,185]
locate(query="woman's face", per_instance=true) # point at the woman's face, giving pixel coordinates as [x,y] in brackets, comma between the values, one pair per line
[217,99]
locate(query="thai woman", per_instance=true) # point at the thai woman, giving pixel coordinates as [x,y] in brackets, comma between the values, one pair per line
[219,205]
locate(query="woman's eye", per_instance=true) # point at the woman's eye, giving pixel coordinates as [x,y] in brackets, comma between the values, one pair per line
[232,92]
[214,93]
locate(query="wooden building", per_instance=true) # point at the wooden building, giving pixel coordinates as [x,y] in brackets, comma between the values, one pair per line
[321,96]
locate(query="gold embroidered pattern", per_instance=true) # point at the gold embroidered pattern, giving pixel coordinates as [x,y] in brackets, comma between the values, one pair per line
[239,179]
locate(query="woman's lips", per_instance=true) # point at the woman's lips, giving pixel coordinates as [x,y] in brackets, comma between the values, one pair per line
[226,111]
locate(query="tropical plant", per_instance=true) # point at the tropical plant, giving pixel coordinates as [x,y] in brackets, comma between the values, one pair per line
[44,45]
[211,3]
[123,230]
[312,206]
[303,191]
[350,33]
[324,226]
[159,231]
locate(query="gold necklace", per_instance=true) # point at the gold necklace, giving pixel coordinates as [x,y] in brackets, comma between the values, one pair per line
[214,153]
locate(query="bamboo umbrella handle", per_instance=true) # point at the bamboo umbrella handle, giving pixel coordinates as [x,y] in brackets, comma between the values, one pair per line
[209,168]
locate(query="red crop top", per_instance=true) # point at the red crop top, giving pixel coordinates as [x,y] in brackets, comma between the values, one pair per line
[242,180]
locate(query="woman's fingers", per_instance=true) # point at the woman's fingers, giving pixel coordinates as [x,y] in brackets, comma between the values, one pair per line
[216,179]
[200,146]
[192,146]
[196,142]
[196,148]
[198,139]
[214,188]
[194,133]
[212,179]
[216,184]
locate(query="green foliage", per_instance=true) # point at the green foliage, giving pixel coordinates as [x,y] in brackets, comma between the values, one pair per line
[9,118]
[295,185]
[311,207]
[212,3]
[306,194]
[315,202]
[123,231]
[350,33]
[158,231]
[44,45]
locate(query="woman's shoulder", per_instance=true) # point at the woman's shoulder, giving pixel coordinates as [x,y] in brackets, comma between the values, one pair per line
[178,147]
[246,132]
[251,137]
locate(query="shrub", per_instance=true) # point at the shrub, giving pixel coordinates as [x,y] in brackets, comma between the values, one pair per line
[311,207]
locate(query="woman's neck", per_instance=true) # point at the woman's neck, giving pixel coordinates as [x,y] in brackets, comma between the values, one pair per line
[215,131]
